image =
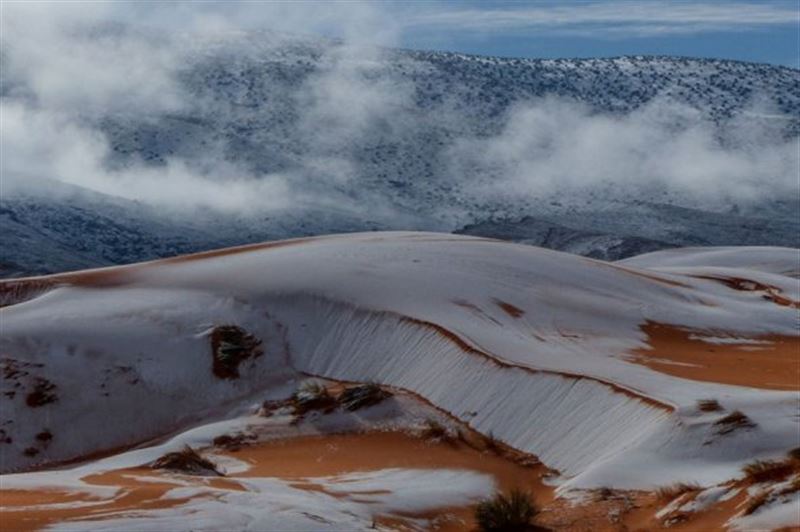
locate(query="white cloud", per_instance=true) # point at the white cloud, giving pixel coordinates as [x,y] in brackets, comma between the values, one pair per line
[66,65]
[556,147]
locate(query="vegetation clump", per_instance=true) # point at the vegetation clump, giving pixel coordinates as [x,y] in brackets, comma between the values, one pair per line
[44,436]
[603,494]
[362,395]
[733,421]
[756,502]
[312,395]
[673,491]
[433,430]
[767,470]
[793,487]
[187,461]
[233,443]
[492,443]
[43,393]
[709,405]
[501,513]
[230,346]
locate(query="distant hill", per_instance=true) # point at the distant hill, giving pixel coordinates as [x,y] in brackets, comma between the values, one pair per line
[375,141]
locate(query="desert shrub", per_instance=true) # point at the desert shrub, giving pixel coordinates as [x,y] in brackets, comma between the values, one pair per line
[44,436]
[793,487]
[673,491]
[756,502]
[362,395]
[186,461]
[433,430]
[233,442]
[733,421]
[230,346]
[709,405]
[504,513]
[767,470]
[492,443]
[794,454]
[43,393]
[312,395]
[604,494]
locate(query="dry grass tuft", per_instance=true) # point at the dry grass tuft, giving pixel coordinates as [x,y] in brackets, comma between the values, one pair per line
[733,421]
[433,430]
[492,443]
[709,405]
[793,487]
[186,461]
[603,494]
[230,346]
[767,471]
[754,503]
[233,442]
[362,396]
[673,491]
[506,513]
[312,395]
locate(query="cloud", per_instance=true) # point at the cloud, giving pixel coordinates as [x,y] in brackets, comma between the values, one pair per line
[70,66]
[352,123]
[614,18]
[560,148]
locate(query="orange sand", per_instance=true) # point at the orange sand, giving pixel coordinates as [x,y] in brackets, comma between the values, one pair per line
[293,460]
[299,460]
[774,366]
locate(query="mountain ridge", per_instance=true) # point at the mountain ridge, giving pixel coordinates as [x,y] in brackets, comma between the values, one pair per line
[399,139]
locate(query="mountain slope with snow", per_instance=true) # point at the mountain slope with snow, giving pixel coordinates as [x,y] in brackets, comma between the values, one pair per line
[279,136]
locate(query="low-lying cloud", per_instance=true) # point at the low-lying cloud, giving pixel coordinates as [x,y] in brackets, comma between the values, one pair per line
[69,69]
[556,146]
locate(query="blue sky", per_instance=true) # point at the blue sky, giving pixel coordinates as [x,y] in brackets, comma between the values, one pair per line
[762,31]
[751,30]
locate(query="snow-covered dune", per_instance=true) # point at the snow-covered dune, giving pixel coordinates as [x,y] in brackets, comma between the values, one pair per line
[782,261]
[545,350]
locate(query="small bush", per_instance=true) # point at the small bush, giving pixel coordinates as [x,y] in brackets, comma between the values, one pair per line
[733,421]
[363,395]
[233,442]
[44,436]
[43,393]
[506,513]
[673,491]
[767,470]
[492,443]
[186,461]
[793,487]
[433,430]
[230,346]
[604,494]
[312,395]
[794,454]
[709,405]
[754,503]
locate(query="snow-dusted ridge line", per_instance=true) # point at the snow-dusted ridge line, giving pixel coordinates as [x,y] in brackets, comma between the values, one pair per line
[424,312]
[465,346]
[481,391]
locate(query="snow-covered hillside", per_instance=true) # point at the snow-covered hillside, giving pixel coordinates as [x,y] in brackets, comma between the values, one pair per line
[556,355]
[425,312]
[317,137]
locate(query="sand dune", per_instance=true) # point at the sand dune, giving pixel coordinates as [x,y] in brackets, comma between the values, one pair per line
[597,370]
